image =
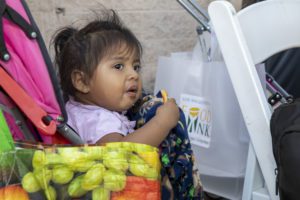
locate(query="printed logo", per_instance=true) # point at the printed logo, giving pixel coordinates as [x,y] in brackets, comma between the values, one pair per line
[198,116]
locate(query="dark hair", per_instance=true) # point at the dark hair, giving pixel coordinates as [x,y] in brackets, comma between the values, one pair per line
[82,49]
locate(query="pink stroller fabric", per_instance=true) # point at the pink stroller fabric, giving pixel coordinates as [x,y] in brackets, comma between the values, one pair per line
[27,65]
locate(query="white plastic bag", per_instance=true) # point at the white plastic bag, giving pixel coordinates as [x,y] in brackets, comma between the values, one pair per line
[172,71]
[222,150]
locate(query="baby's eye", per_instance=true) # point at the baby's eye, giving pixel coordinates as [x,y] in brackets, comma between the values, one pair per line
[137,68]
[119,66]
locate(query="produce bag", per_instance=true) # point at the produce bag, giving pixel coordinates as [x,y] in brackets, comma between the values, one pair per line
[120,170]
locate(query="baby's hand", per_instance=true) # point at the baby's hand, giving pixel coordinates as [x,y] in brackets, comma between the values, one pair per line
[168,113]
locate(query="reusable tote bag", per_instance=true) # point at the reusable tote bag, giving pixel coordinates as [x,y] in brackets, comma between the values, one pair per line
[215,123]
[112,171]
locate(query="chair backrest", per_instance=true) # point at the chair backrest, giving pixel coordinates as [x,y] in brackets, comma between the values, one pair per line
[246,38]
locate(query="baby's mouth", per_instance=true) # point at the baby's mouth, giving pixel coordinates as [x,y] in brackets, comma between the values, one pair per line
[132,90]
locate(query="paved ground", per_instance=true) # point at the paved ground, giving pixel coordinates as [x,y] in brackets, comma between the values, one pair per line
[208,196]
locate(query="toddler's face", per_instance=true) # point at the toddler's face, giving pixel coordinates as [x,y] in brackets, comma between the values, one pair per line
[116,84]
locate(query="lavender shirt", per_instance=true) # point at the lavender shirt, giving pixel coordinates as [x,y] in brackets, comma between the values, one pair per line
[93,122]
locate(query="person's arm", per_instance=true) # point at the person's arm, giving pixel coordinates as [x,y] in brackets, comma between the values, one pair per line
[154,131]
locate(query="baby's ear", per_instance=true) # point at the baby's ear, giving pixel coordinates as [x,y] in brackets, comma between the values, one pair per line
[79,81]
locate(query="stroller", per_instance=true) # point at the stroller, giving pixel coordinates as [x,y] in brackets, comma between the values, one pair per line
[28,78]
[41,157]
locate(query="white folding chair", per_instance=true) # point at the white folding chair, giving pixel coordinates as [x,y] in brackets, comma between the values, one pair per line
[246,38]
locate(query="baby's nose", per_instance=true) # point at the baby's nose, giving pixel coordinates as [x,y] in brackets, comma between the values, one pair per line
[133,74]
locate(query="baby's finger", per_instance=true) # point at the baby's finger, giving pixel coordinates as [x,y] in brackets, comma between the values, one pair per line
[172,100]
